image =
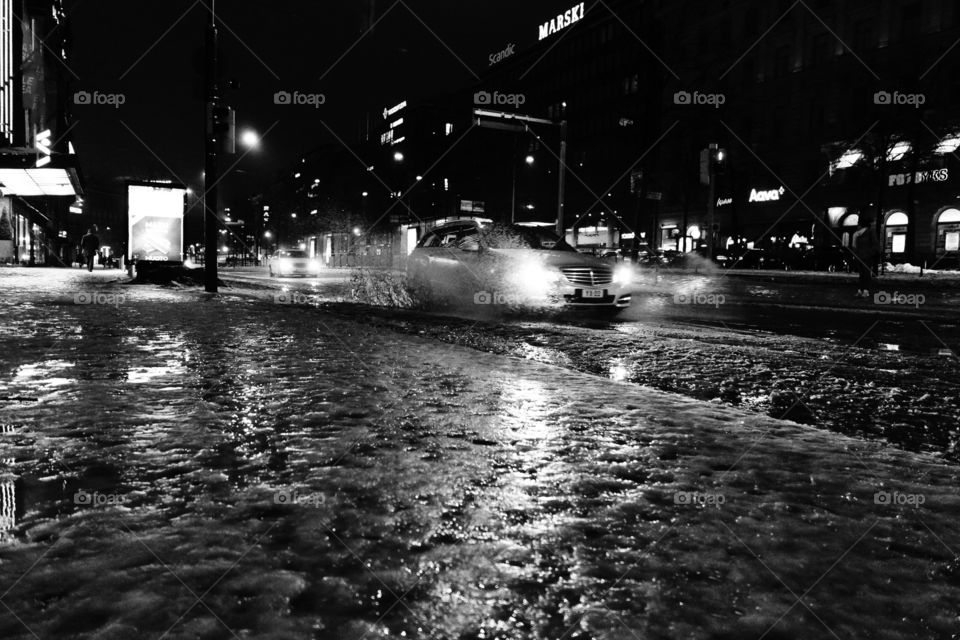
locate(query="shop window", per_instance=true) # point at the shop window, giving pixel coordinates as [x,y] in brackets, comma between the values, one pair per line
[948,231]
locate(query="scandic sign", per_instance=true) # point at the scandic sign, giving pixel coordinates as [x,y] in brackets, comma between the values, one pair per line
[562,21]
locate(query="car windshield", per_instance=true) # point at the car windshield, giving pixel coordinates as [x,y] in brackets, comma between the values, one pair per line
[293,254]
[517,237]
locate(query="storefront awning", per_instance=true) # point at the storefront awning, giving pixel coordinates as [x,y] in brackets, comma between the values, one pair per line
[19,175]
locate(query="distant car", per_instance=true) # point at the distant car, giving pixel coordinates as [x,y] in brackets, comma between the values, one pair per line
[293,263]
[755,259]
[531,265]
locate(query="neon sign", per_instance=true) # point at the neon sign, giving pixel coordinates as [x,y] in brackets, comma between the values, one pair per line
[562,21]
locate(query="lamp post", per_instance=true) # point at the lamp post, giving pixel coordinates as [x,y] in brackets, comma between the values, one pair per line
[210,176]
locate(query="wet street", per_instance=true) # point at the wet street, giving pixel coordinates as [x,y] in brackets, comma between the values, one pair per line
[176,465]
[794,346]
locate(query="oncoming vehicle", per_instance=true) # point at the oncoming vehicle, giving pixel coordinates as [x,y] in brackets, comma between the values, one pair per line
[513,264]
[293,263]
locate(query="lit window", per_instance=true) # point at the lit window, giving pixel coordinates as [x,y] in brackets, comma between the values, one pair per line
[448,128]
[848,159]
[897,150]
[949,144]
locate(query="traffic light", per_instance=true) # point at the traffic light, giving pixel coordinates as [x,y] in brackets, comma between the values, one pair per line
[719,161]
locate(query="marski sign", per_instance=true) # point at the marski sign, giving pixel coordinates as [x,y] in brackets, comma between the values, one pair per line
[562,21]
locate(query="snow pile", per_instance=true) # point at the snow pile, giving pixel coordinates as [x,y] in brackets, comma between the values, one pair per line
[914,269]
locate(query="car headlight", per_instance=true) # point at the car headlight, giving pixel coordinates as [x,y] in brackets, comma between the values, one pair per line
[314,265]
[283,264]
[623,275]
[535,273]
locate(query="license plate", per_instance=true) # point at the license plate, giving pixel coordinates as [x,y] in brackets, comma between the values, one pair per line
[592,293]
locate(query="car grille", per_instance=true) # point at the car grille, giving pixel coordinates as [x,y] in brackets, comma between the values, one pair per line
[590,276]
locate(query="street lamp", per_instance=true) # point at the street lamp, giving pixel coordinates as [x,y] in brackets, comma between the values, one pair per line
[250,139]
[398,156]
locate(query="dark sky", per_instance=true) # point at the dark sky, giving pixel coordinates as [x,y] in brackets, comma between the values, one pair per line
[152,54]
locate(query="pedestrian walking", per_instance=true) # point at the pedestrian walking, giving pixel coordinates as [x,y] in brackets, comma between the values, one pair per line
[866,249]
[90,245]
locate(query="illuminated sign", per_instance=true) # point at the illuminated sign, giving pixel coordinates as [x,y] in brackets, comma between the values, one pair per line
[934,175]
[396,123]
[386,138]
[392,110]
[725,201]
[771,195]
[502,55]
[155,218]
[562,21]
[42,144]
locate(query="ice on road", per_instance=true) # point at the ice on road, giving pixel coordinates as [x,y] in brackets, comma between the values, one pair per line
[217,467]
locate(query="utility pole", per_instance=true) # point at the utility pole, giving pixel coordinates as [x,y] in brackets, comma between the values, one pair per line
[712,200]
[210,176]
[561,194]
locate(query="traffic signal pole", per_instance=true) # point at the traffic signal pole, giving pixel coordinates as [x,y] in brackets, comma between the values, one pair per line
[210,175]
[712,200]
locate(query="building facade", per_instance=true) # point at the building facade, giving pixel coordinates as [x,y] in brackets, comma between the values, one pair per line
[39,179]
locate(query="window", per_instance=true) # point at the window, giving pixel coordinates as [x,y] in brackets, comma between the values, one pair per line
[781,60]
[750,23]
[822,48]
[911,17]
[863,36]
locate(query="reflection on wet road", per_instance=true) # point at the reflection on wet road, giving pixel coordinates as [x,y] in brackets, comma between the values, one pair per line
[207,467]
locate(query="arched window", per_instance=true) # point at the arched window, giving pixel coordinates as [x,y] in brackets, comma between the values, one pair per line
[850,220]
[897,219]
[949,215]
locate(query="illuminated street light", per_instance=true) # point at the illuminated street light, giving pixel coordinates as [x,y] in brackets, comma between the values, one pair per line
[250,139]
[398,156]
[530,159]
[356,231]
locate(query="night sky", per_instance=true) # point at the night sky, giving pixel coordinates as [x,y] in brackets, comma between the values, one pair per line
[120,47]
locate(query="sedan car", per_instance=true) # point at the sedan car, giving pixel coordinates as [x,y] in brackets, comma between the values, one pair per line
[514,265]
[293,263]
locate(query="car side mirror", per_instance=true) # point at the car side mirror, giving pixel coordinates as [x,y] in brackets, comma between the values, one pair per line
[470,246]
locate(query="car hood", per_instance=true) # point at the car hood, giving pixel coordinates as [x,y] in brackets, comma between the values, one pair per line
[551,258]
